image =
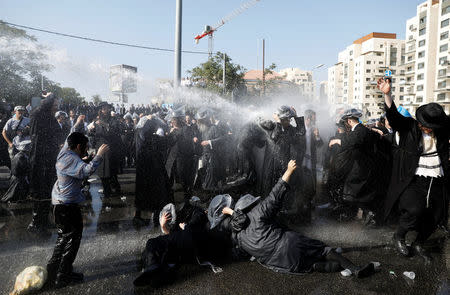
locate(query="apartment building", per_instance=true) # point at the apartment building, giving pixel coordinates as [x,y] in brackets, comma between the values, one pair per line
[302,78]
[442,83]
[352,80]
[426,57]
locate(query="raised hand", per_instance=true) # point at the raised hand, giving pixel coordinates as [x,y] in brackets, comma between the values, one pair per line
[384,85]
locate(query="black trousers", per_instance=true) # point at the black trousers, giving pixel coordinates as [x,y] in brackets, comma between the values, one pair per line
[69,224]
[414,214]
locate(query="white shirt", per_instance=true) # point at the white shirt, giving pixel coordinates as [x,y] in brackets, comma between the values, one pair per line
[429,162]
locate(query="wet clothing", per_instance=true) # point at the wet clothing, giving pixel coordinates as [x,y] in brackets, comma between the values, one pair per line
[14,127]
[69,225]
[362,182]
[45,132]
[71,171]
[107,131]
[19,182]
[275,247]
[409,190]
[153,189]
[283,145]
[183,154]
[213,168]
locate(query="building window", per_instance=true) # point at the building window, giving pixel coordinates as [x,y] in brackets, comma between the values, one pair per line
[443,60]
[410,58]
[442,73]
[368,62]
[441,96]
[402,89]
[423,20]
[401,97]
[442,84]
[367,87]
[393,63]
[367,79]
[367,71]
[420,65]
[421,43]
[444,23]
[351,52]
[420,77]
[419,98]
[446,9]
[419,87]
[378,54]
[421,54]
[444,35]
[422,31]
[443,48]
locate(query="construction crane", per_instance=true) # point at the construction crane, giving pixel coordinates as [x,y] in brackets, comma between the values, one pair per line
[209,30]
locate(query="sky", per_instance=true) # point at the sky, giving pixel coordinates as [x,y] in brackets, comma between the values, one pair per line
[297,33]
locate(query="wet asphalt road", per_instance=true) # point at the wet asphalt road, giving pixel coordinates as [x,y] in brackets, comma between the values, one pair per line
[111,246]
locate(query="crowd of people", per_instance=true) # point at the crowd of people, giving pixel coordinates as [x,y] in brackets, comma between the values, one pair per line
[393,170]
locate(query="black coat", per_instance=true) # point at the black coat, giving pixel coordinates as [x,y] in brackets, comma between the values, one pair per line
[19,184]
[361,184]
[107,131]
[212,156]
[182,154]
[273,246]
[406,155]
[153,189]
[45,134]
[282,145]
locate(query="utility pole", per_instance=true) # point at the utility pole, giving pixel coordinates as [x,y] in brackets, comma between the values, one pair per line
[224,70]
[178,17]
[263,69]
[42,82]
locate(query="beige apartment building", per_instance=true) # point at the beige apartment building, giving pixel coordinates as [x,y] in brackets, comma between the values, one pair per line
[352,80]
[302,78]
[426,76]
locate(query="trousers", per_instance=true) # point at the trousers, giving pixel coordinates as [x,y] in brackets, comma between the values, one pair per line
[69,224]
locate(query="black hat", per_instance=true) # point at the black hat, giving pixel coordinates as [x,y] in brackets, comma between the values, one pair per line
[204,113]
[246,202]
[103,104]
[432,115]
[285,112]
[215,214]
[352,113]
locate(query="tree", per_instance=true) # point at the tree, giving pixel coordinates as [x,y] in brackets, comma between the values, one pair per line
[96,98]
[211,74]
[23,62]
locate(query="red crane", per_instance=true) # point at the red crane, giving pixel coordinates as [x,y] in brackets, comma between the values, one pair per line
[209,30]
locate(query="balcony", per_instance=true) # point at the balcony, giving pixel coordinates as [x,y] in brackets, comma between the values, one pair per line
[411,62]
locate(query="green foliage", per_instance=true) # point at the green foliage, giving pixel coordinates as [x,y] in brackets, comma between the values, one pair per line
[23,62]
[211,74]
[96,98]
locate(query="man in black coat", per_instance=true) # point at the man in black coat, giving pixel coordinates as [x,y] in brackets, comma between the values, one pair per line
[181,161]
[281,249]
[45,134]
[420,171]
[284,142]
[362,184]
[107,130]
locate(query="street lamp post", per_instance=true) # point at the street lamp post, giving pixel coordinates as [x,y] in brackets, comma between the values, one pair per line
[178,19]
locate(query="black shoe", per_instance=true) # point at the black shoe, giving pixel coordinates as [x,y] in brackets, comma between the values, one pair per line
[365,271]
[420,250]
[400,245]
